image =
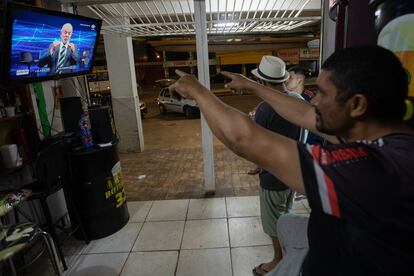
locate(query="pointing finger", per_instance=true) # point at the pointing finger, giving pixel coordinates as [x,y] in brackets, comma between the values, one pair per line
[180,73]
[227,74]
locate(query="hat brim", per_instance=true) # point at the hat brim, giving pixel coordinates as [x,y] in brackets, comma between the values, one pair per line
[285,77]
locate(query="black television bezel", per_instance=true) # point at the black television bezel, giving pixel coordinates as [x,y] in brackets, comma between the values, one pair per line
[6,60]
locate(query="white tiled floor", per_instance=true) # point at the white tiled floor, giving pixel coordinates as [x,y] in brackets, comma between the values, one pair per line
[212,261]
[160,235]
[215,236]
[245,258]
[247,232]
[211,233]
[246,206]
[208,208]
[164,210]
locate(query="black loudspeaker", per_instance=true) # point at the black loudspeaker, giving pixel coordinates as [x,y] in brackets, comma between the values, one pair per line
[71,110]
[101,125]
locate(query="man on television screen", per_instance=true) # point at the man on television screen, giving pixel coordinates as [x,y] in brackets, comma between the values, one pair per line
[61,55]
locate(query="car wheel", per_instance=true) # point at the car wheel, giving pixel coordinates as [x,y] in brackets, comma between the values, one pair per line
[189,114]
[162,108]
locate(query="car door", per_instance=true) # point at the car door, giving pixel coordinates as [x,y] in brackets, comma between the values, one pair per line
[171,103]
[176,101]
[165,99]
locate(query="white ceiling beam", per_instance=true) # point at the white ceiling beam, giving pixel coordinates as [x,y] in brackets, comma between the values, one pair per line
[308,18]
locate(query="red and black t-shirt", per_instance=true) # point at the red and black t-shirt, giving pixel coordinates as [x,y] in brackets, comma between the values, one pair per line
[362,200]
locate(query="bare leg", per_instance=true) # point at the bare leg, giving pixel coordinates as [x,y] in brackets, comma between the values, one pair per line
[276,258]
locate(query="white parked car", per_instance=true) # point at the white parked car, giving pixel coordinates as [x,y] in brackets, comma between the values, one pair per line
[168,101]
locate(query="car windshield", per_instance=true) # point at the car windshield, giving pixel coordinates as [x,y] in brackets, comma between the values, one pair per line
[165,92]
[176,95]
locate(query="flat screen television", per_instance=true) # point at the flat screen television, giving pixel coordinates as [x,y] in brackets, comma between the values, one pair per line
[43,44]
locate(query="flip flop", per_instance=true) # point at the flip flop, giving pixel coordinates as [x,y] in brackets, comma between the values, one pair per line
[253,171]
[255,273]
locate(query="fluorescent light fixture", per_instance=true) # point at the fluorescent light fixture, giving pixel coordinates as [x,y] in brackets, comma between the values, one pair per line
[225,25]
[234,39]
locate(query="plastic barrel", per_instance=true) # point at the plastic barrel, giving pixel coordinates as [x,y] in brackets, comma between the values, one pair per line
[97,190]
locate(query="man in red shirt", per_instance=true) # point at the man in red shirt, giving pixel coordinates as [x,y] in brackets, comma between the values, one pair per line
[361,192]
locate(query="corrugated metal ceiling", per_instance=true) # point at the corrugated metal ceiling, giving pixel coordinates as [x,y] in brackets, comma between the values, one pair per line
[176,17]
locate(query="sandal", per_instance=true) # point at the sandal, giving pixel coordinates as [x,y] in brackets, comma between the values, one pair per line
[260,267]
[254,171]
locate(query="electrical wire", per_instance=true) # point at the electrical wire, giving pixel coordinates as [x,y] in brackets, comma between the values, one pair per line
[84,99]
[54,105]
[85,92]
[110,111]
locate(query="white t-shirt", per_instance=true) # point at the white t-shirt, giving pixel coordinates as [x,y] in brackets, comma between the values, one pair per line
[303,136]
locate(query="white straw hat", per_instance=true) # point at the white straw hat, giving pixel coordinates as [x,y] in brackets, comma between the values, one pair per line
[271,69]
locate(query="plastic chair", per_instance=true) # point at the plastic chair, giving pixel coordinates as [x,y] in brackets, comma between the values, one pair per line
[16,237]
[52,173]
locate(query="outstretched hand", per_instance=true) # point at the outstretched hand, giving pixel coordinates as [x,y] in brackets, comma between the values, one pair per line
[187,85]
[238,81]
[53,47]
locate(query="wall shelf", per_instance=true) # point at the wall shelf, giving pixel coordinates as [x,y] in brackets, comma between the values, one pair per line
[17,116]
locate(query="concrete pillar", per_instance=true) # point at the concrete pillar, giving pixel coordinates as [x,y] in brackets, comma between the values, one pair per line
[125,101]
[204,78]
[166,69]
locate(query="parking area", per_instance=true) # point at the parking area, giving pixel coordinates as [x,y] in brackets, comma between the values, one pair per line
[171,165]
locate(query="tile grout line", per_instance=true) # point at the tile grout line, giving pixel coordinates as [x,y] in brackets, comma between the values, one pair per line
[136,238]
[182,238]
[207,248]
[228,233]
[77,256]
[149,210]
[129,253]
[201,219]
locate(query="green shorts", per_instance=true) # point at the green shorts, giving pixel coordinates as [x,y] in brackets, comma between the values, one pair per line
[273,204]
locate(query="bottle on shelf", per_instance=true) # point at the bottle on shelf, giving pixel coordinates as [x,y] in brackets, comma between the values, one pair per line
[86,134]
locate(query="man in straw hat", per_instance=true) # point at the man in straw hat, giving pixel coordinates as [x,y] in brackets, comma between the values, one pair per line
[276,198]
[360,192]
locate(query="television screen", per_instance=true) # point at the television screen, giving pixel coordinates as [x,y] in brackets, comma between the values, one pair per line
[43,44]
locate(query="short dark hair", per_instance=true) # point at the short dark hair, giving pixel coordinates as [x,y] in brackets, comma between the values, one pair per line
[374,72]
[298,71]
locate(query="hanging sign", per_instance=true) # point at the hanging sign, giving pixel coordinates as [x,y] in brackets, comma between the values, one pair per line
[309,53]
[290,55]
